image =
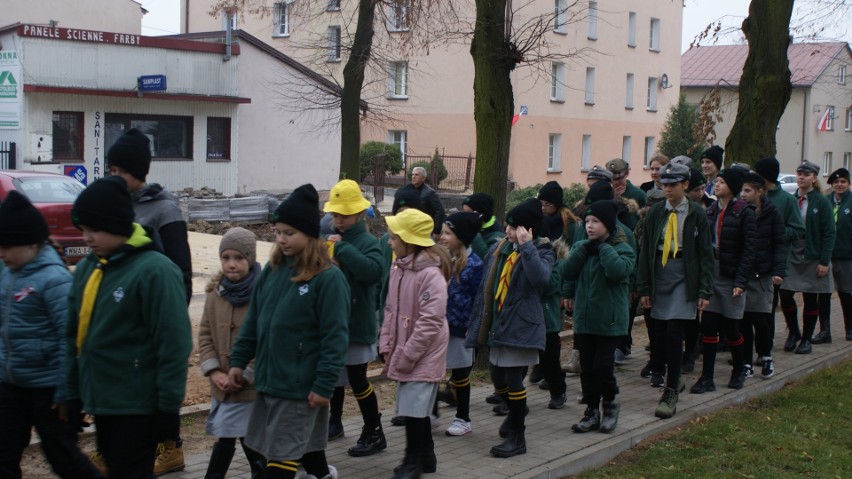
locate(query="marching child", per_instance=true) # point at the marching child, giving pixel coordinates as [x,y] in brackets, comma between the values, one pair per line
[732,230]
[676,241]
[128,332]
[34,288]
[770,261]
[508,315]
[415,333]
[600,268]
[356,252]
[841,259]
[225,308]
[458,232]
[296,330]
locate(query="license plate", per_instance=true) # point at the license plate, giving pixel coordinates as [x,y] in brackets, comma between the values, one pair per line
[76,250]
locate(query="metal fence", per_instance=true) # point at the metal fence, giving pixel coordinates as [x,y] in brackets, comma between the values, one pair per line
[7,155]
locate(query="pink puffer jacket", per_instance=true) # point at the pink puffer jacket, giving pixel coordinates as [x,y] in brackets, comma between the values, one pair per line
[415,332]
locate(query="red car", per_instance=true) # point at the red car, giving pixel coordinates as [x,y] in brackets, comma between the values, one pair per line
[54,196]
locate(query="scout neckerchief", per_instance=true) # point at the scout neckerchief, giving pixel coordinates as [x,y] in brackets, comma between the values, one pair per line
[505,277]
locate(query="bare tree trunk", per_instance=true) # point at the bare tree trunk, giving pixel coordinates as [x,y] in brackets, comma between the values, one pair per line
[493,103]
[353,81]
[765,86]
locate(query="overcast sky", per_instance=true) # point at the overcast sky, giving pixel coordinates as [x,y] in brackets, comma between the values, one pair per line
[163,18]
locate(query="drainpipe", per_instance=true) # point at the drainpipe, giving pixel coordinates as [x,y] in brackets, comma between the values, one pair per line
[229,12]
[805,125]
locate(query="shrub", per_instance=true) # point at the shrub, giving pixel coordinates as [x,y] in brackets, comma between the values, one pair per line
[439,162]
[372,149]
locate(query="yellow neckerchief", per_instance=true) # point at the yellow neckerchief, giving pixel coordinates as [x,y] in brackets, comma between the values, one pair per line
[330,245]
[90,291]
[670,239]
[505,277]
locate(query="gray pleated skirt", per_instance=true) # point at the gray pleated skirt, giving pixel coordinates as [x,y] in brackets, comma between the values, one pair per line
[842,269]
[228,419]
[415,398]
[802,275]
[458,356]
[286,429]
[356,354]
[508,357]
[759,295]
[669,301]
[723,302]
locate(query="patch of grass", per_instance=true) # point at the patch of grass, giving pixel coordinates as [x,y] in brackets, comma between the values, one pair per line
[802,430]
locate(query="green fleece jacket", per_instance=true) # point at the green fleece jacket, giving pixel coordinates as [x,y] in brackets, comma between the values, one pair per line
[488,236]
[794,227]
[297,333]
[360,258]
[697,252]
[843,226]
[602,295]
[134,357]
[819,228]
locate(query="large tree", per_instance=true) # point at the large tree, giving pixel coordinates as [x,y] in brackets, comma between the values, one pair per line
[765,86]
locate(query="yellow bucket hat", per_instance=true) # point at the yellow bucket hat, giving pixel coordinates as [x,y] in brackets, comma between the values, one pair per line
[346,199]
[413,226]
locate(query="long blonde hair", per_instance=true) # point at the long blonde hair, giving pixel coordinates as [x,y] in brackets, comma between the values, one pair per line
[312,261]
[458,260]
[443,255]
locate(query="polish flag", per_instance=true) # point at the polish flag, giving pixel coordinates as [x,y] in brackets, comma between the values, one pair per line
[516,118]
[823,122]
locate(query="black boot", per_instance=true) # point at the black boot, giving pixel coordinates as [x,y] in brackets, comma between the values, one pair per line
[590,422]
[372,441]
[411,467]
[823,337]
[610,416]
[514,444]
[335,428]
[220,460]
[256,461]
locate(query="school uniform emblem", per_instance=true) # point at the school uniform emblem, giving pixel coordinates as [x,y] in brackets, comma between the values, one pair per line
[24,293]
[846,211]
[303,290]
[425,296]
[118,294]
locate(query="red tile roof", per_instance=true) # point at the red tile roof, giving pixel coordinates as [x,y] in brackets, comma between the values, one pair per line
[709,65]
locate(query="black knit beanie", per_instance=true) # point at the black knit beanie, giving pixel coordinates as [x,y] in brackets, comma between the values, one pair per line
[406,197]
[696,179]
[768,168]
[132,153]
[20,222]
[606,211]
[105,206]
[482,203]
[754,179]
[465,225]
[300,210]
[600,191]
[527,214]
[714,154]
[734,178]
[552,193]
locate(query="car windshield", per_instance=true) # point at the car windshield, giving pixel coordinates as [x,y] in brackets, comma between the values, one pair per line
[50,190]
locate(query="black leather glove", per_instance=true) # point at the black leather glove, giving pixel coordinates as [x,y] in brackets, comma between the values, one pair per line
[168,426]
[591,247]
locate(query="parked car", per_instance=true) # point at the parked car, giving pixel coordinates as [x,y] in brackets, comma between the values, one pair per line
[788,182]
[53,195]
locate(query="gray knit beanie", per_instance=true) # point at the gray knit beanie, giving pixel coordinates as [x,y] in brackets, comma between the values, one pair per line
[242,240]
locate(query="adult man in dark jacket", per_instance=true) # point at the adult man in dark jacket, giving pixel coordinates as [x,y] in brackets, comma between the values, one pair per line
[430,203]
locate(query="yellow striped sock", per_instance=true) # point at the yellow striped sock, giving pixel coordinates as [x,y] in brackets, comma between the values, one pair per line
[517,395]
[286,465]
[461,382]
[364,394]
[504,390]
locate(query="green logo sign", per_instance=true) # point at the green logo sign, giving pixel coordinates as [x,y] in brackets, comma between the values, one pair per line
[8,85]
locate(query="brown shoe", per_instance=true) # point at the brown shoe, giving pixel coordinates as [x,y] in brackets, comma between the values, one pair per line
[169,458]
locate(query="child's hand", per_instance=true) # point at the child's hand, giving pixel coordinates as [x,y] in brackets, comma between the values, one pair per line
[523,234]
[334,238]
[645,301]
[235,379]
[220,380]
[315,400]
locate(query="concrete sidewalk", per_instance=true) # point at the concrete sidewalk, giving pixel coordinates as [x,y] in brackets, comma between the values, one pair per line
[553,450]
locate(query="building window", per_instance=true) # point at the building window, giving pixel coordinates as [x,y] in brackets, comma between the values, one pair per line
[400,139]
[826,163]
[829,119]
[590,86]
[586,154]
[398,80]
[333,51]
[560,19]
[398,20]
[631,29]
[626,145]
[841,74]
[593,20]
[628,100]
[281,20]
[557,82]
[655,35]
[649,150]
[226,19]
[333,6]
[652,94]
[68,135]
[848,126]
[847,159]
[554,152]
[218,138]
[171,136]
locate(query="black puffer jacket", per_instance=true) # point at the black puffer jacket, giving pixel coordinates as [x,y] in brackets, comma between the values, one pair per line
[770,256]
[736,248]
